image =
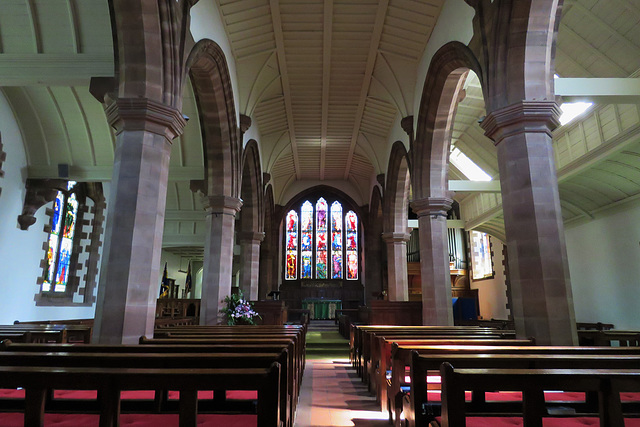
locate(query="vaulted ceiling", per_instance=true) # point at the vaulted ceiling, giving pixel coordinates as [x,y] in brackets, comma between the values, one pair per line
[324,81]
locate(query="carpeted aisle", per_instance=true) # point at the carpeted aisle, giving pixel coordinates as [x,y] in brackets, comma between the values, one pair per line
[331,392]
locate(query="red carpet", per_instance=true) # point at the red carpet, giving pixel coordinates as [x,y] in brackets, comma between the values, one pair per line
[131,420]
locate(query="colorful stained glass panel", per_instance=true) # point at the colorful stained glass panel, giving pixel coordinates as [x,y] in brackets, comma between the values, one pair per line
[351,226]
[352,265]
[336,266]
[321,239]
[291,245]
[336,240]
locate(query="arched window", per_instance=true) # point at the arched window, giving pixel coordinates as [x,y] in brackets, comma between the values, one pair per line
[323,254]
[60,249]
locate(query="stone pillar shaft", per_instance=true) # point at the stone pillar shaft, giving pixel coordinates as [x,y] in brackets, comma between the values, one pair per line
[434,260]
[130,273]
[218,255]
[540,285]
[397,265]
[250,266]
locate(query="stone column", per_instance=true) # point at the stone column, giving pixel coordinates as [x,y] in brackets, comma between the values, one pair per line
[540,285]
[250,265]
[218,255]
[130,273]
[437,308]
[397,265]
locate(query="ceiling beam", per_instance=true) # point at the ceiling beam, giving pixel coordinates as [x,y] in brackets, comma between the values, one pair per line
[599,90]
[326,80]
[474,186]
[53,69]
[366,81]
[276,19]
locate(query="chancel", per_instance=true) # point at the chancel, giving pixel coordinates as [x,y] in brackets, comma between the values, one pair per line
[395,187]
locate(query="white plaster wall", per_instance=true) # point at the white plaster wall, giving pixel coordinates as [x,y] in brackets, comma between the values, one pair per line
[455,23]
[345,186]
[604,263]
[174,264]
[21,251]
[492,292]
[206,23]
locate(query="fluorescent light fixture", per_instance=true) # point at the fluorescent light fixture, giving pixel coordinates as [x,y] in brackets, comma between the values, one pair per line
[467,166]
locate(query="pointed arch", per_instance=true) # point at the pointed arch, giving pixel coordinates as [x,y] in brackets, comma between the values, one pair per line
[440,94]
[211,82]
[396,195]
[373,248]
[251,190]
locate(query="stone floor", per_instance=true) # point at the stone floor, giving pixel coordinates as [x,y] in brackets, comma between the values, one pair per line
[332,393]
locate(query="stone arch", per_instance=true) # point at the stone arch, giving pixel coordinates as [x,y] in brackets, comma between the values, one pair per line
[269,250]
[326,190]
[211,82]
[440,94]
[375,255]
[251,190]
[250,233]
[396,195]
[518,59]
[395,222]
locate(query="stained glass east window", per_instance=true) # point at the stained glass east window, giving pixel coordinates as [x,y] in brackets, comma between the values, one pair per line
[321,242]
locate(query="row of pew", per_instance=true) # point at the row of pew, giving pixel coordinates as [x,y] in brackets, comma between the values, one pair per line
[450,376]
[183,375]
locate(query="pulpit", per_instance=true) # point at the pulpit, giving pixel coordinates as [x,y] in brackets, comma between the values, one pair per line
[320,308]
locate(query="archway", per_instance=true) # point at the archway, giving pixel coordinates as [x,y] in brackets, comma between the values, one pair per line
[221,186]
[251,226]
[395,220]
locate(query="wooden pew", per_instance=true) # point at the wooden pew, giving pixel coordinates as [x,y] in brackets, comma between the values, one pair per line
[374,354]
[360,337]
[396,355]
[111,381]
[156,361]
[608,383]
[292,345]
[52,333]
[612,337]
[420,365]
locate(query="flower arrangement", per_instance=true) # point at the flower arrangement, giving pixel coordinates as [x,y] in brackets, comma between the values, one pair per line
[239,311]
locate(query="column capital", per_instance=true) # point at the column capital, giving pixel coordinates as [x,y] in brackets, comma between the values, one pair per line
[135,114]
[250,236]
[438,206]
[523,117]
[245,123]
[392,237]
[224,205]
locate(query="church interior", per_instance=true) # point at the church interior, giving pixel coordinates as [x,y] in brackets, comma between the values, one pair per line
[409,163]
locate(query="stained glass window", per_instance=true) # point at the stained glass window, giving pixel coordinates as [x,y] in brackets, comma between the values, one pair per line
[306,243]
[351,228]
[336,240]
[482,265]
[60,247]
[291,242]
[321,239]
[324,250]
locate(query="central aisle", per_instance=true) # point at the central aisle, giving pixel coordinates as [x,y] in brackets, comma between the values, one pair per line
[332,393]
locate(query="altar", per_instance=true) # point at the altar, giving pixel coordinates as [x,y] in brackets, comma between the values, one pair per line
[320,308]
